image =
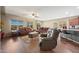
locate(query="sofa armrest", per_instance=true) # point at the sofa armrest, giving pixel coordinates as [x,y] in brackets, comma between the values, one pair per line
[43,35]
[46,39]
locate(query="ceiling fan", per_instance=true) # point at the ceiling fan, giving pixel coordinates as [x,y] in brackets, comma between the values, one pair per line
[35,15]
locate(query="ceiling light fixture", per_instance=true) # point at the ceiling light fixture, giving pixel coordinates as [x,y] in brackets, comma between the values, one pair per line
[66,13]
[78,7]
[34,14]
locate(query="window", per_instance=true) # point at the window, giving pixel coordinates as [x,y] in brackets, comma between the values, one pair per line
[15,24]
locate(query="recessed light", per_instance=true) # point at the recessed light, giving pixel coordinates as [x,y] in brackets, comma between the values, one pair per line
[66,13]
[78,7]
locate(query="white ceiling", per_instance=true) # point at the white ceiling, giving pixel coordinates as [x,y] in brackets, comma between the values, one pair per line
[44,12]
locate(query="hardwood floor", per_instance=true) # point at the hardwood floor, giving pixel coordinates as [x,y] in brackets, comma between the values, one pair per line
[0,46]
[20,44]
[31,45]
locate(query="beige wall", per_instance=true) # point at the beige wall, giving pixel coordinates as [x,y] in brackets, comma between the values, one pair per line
[7,26]
[7,17]
[54,23]
[34,24]
[3,21]
[0,18]
[0,12]
[57,22]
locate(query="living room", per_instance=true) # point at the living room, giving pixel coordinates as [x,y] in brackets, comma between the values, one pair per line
[25,27]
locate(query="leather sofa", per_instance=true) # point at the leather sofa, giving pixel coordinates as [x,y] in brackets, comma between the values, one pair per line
[49,43]
[42,30]
[23,31]
[1,35]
